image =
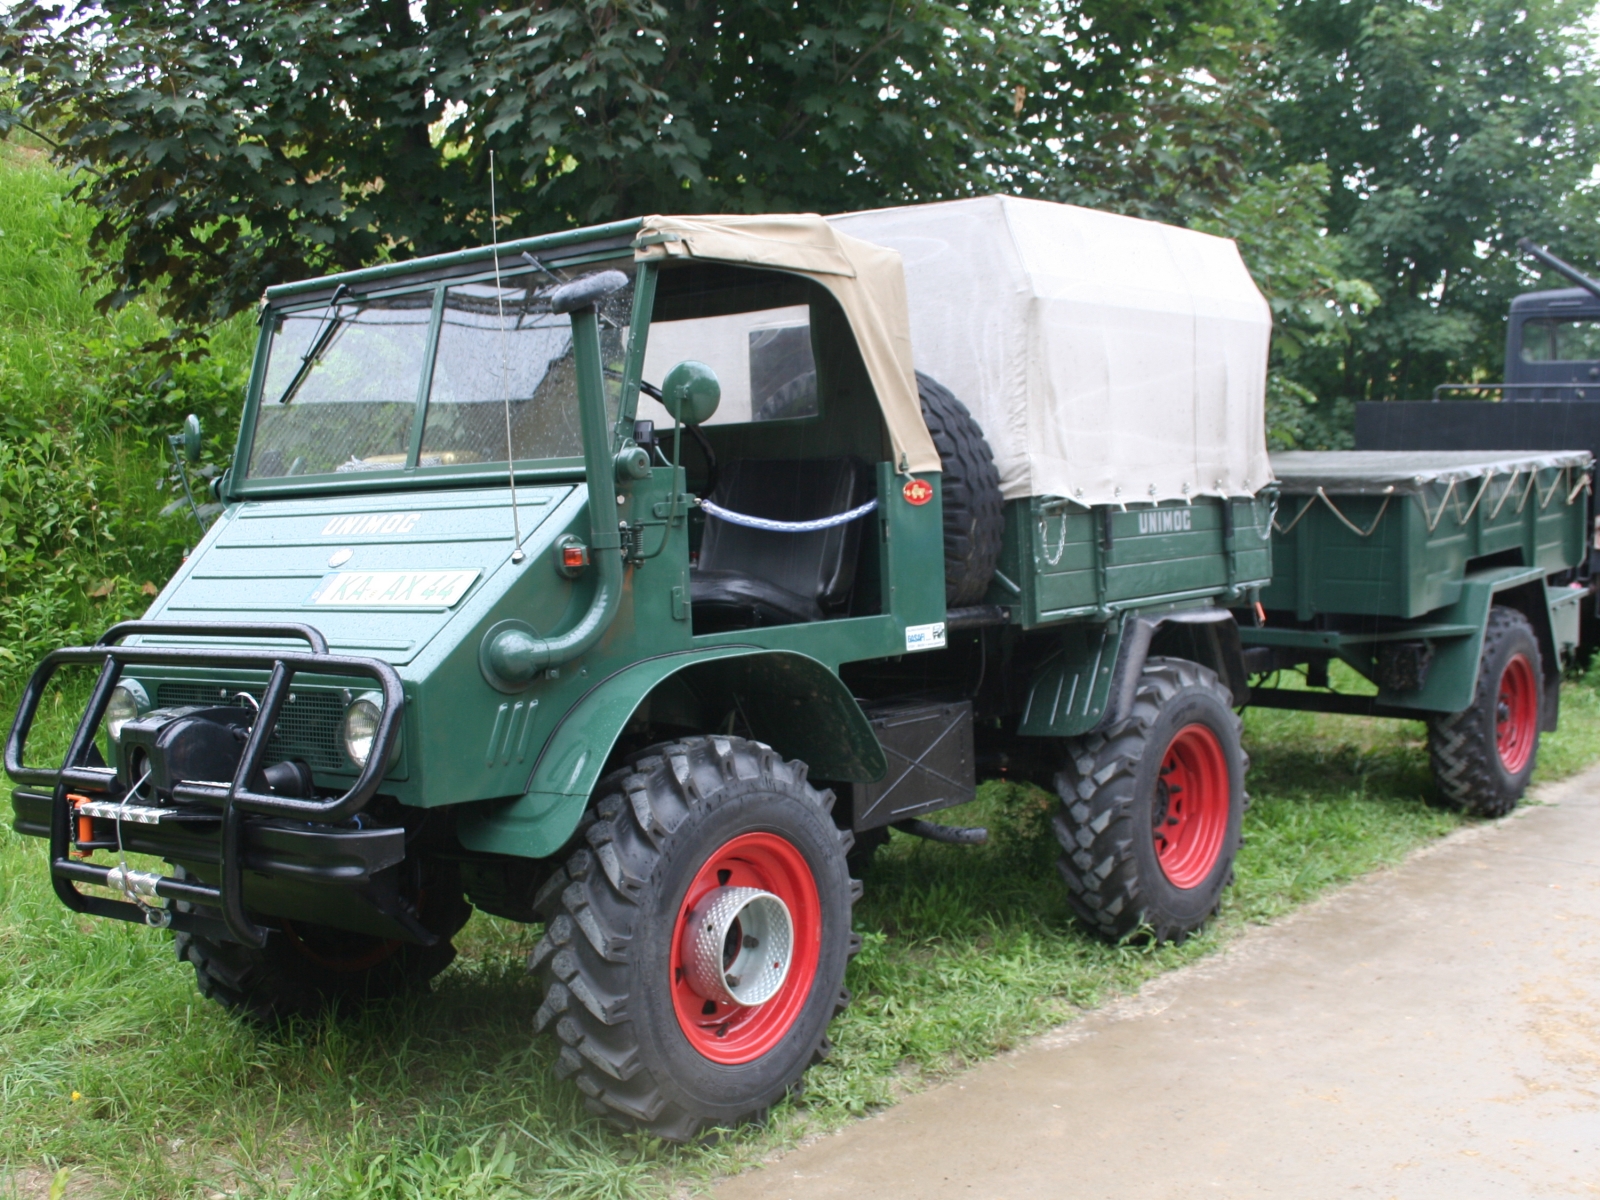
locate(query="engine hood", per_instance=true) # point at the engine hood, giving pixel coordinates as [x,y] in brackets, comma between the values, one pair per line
[380,575]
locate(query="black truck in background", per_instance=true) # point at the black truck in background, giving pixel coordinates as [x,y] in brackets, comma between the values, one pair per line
[1550,399]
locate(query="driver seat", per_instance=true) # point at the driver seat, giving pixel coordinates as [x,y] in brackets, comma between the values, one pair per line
[748,578]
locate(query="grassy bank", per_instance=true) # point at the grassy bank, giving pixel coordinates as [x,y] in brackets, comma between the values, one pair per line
[114,1071]
[84,531]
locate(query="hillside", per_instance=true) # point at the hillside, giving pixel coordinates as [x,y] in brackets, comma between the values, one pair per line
[83,414]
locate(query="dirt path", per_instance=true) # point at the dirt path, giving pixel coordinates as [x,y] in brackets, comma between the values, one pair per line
[1432,1031]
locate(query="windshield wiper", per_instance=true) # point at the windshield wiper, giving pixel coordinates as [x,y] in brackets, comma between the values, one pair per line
[330,324]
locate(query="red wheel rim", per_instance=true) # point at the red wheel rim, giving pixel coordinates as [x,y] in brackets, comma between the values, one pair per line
[1191,810]
[1516,718]
[732,1033]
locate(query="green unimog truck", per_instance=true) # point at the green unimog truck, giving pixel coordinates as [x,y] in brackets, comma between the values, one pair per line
[631,581]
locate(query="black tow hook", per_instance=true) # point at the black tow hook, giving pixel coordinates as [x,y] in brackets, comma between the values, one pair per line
[950,835]
[289,779]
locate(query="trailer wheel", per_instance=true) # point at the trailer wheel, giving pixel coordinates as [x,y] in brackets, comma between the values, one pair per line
[1484,755]
[696,947]
[305,969]
[969,490]
[1151,809]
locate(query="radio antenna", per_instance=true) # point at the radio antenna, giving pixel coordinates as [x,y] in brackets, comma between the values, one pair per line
[505,366]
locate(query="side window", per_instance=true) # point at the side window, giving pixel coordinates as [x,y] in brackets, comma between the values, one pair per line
[1550,340]
[762,357]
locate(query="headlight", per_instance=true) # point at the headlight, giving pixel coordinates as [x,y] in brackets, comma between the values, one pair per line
[361,726]
[128,700]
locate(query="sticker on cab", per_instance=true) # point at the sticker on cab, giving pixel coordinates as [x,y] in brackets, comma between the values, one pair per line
[393,589]
[925,637]
[917,491]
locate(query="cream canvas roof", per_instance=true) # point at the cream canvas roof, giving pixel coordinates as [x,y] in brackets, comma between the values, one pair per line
[867,281]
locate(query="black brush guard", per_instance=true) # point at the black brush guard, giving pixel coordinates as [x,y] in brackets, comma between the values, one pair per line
[235,799]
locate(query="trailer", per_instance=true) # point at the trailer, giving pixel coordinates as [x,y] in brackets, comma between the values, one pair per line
[634,581]
[1441,578]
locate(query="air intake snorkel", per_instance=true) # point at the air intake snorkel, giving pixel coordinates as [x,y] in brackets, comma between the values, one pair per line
[513,657]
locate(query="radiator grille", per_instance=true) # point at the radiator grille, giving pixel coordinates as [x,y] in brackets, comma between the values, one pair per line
[308,727]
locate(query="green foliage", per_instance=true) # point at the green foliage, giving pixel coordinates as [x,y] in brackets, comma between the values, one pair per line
[82,422]
[234,145]
[1448,131]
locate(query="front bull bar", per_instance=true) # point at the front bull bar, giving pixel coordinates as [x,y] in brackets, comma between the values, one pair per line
[236,798]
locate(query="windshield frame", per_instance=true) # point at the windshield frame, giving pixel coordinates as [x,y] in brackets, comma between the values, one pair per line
[437,276]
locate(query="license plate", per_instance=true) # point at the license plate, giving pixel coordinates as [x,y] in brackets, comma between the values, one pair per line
[393,589]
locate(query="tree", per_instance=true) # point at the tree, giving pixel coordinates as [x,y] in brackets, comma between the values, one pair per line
[231,144]
[1447,131]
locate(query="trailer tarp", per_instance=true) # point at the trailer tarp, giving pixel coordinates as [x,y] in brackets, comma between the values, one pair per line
[1402,472]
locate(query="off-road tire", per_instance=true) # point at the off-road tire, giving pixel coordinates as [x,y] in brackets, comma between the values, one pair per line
[307,969]
[1469,772]
[970,491]
[613,912]
[1109,802]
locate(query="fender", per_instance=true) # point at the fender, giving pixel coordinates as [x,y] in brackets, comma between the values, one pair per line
[790,701]
[1453,678]
[1090,683]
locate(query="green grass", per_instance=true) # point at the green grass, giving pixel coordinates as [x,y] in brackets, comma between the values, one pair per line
[113,1068]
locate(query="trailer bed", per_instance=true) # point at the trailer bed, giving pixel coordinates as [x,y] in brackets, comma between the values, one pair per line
[1395,533]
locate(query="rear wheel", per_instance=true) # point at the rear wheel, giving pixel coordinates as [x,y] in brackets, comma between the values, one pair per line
[696,948]
[305,968]
[1484,755]
[1151,809]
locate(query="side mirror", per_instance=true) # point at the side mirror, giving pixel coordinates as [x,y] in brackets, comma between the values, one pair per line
[691,392]
[191,438]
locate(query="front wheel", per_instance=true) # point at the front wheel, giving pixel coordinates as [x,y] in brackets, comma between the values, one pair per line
[1151,809]
[306,969]
[1484,755]
[696,948]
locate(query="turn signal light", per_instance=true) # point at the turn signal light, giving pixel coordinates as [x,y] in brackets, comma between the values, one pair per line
[574,557]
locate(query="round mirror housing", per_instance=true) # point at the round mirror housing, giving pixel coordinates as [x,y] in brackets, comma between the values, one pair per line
[191,438]
[691,392]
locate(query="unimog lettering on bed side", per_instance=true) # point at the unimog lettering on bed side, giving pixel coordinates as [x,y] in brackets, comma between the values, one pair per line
[630,581]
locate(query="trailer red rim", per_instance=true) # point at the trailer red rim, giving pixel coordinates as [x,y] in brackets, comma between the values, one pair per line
[1190,819]
[731,1033]
[1516,719]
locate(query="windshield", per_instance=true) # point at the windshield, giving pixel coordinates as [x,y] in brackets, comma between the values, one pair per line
[346,383]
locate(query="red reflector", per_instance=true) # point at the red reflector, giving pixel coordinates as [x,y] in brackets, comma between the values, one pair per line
[574,556]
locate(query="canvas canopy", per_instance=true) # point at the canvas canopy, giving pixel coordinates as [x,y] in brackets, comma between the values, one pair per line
[1402,472]
[1109,360]
[867,281]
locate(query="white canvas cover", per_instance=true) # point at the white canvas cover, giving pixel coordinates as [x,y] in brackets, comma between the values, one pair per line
[1109,360]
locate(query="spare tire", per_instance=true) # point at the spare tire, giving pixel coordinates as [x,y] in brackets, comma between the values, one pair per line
[970,489]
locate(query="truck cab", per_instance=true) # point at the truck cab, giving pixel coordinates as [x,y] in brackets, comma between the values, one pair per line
[1553,346]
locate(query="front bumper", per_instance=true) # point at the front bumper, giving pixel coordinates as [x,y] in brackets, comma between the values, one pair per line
[240,848]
